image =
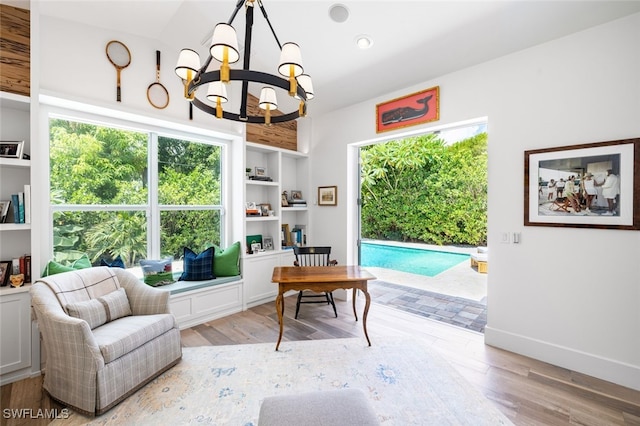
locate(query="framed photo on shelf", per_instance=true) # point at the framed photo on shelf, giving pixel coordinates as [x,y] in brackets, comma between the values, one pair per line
[254,243]
[327,195]
[261,171]
[5,271]
[296,195]
[267,243]
[264,209]
[4,210]
[595,185]
[11,149]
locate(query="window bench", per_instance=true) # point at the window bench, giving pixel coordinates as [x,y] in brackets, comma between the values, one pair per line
[196,302]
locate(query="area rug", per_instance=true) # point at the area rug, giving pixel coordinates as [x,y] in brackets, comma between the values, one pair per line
[406,382]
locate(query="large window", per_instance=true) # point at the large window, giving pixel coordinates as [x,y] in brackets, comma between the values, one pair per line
[134,194]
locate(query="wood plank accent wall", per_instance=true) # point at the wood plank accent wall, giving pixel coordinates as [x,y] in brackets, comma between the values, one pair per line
[15,49]
[280,135]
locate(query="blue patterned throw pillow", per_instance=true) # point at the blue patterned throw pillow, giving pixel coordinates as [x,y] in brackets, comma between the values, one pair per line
[117,263]
[198,267]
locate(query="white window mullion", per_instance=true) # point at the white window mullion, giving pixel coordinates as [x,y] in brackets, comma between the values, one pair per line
[153,214]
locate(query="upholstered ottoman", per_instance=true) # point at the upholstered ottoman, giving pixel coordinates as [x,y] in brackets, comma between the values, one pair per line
[321,408]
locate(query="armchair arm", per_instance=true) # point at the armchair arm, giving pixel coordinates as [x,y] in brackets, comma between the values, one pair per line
[73,357]
[143,299]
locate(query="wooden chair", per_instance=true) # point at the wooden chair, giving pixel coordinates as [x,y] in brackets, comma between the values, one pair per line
[314,256]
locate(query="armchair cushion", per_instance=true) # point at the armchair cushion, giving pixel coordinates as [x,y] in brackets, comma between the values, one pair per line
[120,337]
[92,311]
[116,304]
[102,310]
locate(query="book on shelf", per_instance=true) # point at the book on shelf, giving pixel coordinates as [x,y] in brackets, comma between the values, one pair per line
[21,207]
[27,205]
[25,267]
[15,202]
[302,229]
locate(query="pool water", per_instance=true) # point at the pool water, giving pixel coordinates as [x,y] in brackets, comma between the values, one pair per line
[412,260]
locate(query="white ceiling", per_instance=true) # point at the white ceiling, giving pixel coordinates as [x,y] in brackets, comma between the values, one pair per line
[414,41]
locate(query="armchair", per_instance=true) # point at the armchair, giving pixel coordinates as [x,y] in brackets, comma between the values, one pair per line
[105,333]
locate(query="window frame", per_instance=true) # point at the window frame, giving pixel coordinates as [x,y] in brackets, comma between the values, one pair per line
[152,209]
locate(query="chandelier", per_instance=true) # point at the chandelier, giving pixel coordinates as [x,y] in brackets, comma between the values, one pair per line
[224,49]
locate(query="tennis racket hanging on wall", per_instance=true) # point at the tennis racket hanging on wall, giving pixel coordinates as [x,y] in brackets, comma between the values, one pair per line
[120,57]
[157,94]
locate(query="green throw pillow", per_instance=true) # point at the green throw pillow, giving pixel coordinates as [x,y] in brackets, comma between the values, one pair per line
[226,263]
[54,267]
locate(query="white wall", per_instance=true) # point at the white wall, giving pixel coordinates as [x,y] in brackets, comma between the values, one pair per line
[568,296]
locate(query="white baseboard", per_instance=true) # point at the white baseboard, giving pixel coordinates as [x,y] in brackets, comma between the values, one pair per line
[610,370]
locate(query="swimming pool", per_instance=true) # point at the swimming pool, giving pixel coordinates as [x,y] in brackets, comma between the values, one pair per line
[412,260]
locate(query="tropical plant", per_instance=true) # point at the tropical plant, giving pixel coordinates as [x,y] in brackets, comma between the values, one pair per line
[420,189]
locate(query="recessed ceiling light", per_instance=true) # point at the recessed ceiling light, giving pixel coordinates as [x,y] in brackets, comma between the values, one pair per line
[364,41]
[339,13]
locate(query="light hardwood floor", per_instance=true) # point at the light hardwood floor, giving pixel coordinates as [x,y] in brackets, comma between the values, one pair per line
[527,391]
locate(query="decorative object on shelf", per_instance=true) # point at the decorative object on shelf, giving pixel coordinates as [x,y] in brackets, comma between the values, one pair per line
[224,48]
[416,108]
[11,149]
[4,210]
[120,57]
[17,280]
[267,243]
[251,209]
[264,209]
[254,243]
[5,271]
[602,186]
[260,173]
[157,94]
[283,200]
[327,195]
[295,199]
[247,171]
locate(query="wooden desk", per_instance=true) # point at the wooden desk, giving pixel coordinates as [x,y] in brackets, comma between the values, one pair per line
[321,279]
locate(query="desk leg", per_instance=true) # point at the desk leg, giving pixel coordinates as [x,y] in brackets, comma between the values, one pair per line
[280,311]
[355,293]
[366,311]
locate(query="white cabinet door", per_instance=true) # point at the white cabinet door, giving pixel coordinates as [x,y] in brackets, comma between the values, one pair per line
[15,332]
[257,272]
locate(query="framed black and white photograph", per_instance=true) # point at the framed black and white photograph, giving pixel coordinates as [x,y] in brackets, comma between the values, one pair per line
[261,171]
[267,243]
[594,185]
[11,149]
[5,271]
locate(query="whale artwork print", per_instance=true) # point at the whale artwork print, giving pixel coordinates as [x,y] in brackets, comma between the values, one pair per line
[420,107]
